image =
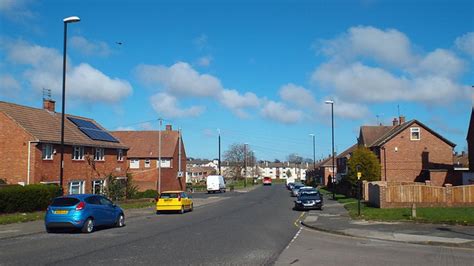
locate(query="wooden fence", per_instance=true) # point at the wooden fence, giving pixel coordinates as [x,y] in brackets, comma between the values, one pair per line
[386,195]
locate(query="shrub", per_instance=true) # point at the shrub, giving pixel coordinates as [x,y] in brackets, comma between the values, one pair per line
[150,193]
[28,198]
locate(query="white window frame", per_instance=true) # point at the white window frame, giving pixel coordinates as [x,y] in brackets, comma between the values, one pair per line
[80,150]
[134,164]
[99,154]
[165,163]
[47,154]
[79,184]
[120,155]
[147,163]
[101,186]
[415,130]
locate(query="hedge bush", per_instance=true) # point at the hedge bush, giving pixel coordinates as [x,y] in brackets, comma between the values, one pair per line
[27,198]
[150,193]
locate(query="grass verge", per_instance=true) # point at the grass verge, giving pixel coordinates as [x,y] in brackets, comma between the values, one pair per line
[447,215]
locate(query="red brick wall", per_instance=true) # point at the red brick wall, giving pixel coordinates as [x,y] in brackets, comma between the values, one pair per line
[13,151]
[412,156]
[147,178]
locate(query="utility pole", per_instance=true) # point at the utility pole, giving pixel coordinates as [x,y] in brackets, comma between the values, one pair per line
[245,165]
[180,174]
[219,141]
[159,156]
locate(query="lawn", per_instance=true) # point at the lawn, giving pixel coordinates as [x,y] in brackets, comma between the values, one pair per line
[452,215]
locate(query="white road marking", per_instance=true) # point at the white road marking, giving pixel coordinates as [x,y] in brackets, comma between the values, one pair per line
[294,238]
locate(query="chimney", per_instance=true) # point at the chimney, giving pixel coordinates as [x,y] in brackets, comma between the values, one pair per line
[395,121]
[49,105]
[402,119]
[168,128]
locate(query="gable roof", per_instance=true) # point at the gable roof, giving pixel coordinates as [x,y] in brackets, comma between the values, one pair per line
[144,144]
[45,126]
[370,134]
[398,129]
[347,151]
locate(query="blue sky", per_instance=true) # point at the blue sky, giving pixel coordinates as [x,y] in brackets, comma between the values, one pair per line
[259,71]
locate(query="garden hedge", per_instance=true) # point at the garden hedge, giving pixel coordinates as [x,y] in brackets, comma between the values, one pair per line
[150,193]
[27,198]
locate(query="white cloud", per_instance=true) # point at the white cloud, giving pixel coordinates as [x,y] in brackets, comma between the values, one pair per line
[44,70]
[16,10]
[179,79]
[201,42]
[297,95]
[344,109]
[236,102]
[90,48]
[281,113]
[9,86]
[443,63]
[167,106]
[125,129]
[465,43]
[204,61]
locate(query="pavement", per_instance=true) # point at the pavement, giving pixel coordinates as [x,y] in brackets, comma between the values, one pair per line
[335,219]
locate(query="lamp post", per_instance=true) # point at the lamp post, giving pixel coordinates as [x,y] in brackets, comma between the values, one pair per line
[219,141]
[332,154]
[61,167]
[314,158]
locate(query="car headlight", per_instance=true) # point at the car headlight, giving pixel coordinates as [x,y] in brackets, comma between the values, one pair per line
[298,201]
[318,200]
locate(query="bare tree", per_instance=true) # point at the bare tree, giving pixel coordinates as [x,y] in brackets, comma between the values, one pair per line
[236,157]
[294,158]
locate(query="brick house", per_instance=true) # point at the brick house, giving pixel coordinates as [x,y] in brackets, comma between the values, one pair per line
[30,149]
[144,154]
[470,142]
[410,152]
[341,162]
[324,170]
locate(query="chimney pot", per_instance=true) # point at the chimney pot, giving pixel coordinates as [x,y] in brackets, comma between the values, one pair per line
[168,128]
[402,119]
[49,105]
[395,121]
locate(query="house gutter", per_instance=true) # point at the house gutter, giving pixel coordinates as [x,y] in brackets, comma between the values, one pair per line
[29,161]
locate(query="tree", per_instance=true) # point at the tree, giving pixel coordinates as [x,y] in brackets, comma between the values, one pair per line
[288,173]
[294,158]
[364,161]
[276,161]
[236,156]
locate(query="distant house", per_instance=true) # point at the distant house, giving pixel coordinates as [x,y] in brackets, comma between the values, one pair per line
[410,151]
[30,149]
[341,162]
[281,170]
[143,158]
[324,170]
[198,173]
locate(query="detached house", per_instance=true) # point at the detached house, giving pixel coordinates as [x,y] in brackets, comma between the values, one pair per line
[30,149]
[145,152]
[410,152]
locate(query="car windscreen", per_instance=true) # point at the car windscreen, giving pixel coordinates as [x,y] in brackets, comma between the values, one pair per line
[169,195]
[65,202]
[310,195]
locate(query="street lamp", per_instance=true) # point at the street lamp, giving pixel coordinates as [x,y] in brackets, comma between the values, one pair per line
[332,154]
[314,157]
[61,167]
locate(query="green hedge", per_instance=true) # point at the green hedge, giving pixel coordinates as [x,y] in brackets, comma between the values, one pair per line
[150,193]
[28,198]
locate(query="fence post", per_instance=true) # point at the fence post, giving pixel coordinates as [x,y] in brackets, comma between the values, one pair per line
[449,194]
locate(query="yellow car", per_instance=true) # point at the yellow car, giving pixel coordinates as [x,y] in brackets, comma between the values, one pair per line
[174,201]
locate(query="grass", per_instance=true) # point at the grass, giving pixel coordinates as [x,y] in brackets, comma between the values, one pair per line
[11,218]
[448,215]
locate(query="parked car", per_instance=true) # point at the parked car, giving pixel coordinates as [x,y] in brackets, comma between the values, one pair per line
[290,185]
[305,189]
[295,189]
[215,183]
[174,201]
[267,181]
[84,212]
[309,200]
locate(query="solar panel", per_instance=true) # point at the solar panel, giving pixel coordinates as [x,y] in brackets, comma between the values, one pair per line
[83,123]
[98,134]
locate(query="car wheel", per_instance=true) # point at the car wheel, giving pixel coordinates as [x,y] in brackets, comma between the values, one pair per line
[191,207]
[120,221]
[157,212]
[182,209]
[88,226]
[49,230]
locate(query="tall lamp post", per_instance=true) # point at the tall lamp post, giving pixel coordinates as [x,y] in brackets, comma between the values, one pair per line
[61,167]
[332,154]
[314,158]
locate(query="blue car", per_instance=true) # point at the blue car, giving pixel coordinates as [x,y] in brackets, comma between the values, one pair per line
[84,212]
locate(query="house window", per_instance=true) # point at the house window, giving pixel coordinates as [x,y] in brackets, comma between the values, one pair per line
[99,154]
[134,164]
[165,163]
[415,133]
[47,151]
[78,153]
[76,187]
[98,187]
[147,163]
[119,155]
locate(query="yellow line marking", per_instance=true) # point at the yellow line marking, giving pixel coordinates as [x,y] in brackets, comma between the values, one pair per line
[297,222]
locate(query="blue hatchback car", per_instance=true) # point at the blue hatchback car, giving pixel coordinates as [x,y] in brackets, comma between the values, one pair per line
[84,212]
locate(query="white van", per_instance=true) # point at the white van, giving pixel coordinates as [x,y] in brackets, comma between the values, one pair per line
[215,183]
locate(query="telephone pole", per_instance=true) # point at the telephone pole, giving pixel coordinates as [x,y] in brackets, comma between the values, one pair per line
[159,155]
[219,141]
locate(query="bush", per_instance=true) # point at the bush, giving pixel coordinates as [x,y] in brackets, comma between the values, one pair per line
[150,193]
[28,198]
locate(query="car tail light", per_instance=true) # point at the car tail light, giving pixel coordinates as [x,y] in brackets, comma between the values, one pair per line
[80,206]
[179,197]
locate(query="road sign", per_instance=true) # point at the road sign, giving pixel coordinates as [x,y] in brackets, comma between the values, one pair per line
[359,175]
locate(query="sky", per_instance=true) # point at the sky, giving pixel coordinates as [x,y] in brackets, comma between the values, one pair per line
[259,72]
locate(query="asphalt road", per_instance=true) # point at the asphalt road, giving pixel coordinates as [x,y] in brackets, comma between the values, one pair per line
[311,247]
[244,229]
